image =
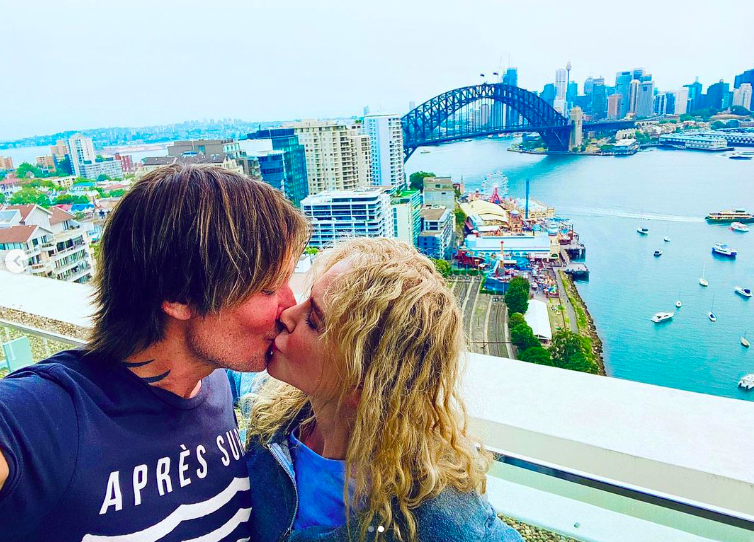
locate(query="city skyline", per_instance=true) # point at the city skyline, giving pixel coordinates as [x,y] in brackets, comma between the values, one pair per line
[261,72]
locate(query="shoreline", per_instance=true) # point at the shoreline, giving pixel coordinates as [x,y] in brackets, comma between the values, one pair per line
[587,328]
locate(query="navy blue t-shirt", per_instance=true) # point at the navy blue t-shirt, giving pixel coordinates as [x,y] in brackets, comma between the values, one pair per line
[98,455]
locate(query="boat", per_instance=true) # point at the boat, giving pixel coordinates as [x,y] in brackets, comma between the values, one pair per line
[724,250]
[736,215]
[710,314]
[662,317]
[658,253]
[678,304]
[424,152]
[743,292]
[740,156]
[739,227]
[747,382]
[702,280]
[667,239]
[643,230]
[745,341]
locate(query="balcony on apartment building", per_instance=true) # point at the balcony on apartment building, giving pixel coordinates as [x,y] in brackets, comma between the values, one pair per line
[594,458]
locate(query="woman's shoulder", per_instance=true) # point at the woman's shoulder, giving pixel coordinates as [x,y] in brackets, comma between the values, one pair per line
[461,516]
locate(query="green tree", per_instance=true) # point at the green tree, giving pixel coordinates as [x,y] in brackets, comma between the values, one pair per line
[523,337]
[516,319]
[580,362]
[416,180]
[27,196]
[460,217]
[26,168]
[103,177]
[42,183]
[117,193]
[442,266]
[2,198]
[312,251]
[536,354]
[517,295]
[740,110]
[70,199]
[718,124]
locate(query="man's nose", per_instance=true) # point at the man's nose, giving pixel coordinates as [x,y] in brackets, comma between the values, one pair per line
[286,299]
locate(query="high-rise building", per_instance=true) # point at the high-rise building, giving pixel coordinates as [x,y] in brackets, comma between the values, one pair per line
[745,77]
[80,150]
[599,100]
[695,98]
[109,167]
[296,185]
[406,206]
[339,214]
[561,78]
[623,87]
[386,139]
[645,99]
[506,114]
[633,95]
[614,106]
[588,85]
[742,96]
[548,94]
[59,149]
[681,98]
[716,94]
[664,103]
[572,92]
[6,163]
[511,77]
[338,157]
[439,191]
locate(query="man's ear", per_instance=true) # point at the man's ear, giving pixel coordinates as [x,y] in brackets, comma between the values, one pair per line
[179,311]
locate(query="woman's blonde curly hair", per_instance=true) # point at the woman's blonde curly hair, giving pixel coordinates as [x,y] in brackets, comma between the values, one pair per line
[397,331]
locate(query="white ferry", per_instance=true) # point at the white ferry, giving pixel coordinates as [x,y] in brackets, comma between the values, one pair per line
[724,250]
[736,215]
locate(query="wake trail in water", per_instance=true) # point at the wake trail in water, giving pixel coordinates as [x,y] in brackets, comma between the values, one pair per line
[618,213]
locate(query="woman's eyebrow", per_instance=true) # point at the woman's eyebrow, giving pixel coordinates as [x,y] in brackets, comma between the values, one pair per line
[317,309]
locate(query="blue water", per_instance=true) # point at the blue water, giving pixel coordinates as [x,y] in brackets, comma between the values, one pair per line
[606,198]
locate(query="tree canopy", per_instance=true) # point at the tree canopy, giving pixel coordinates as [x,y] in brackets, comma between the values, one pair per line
[523,337]
[517,295]
[416,180]
[536,354]
[516,319]
[27,196]
[571,351]
[442,266]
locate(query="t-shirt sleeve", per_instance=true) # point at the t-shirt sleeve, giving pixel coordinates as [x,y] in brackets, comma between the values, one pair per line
[39,441]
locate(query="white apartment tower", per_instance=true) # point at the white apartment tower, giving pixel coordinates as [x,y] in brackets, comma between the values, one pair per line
[338,156]
[681,100]
[340,214]
[386,135]
[742,96]
[633,95]
[80,150]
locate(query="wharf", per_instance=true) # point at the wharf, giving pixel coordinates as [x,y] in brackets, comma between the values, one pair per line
[577,270]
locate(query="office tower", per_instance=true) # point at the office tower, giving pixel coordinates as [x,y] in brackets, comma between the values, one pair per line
[633,95]
[623,87]
[296,185]
[614,106]
[695,98]
[645,99]
[576,139]
[681,101]
[599,100]
[588,85]
[716,95]
[548,94]
[406,206]
[745,77]
[561,78]
[572,92]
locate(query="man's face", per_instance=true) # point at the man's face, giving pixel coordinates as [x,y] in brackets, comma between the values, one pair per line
[240,338]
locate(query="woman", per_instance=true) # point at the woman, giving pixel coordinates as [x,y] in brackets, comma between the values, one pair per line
[364,382]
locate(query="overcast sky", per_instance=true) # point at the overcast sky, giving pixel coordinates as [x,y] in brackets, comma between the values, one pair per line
[74,64]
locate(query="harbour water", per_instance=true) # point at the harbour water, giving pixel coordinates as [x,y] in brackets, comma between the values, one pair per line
[608,198]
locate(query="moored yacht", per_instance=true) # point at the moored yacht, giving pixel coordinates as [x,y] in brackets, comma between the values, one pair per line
[738,226]
[658,253]
[662,317]
[643,230]
[743,292]
[747,382]
[724,250]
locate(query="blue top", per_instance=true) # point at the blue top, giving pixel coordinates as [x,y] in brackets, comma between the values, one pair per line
[320,487]
[94,452]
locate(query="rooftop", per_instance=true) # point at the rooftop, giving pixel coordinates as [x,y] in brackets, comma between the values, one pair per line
[433,213]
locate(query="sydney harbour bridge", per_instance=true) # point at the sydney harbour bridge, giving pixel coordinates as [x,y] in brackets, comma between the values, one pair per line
[488,109]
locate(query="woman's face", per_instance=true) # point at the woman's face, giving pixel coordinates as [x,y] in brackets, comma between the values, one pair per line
[298,354]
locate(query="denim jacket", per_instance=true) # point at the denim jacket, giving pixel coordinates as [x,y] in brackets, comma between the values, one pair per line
[451,516]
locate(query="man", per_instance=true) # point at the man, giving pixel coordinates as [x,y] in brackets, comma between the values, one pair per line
[133,437]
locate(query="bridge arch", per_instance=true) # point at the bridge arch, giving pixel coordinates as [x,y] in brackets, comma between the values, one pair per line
[422,125]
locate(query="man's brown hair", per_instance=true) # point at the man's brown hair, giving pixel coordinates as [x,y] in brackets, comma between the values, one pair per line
[193,234]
